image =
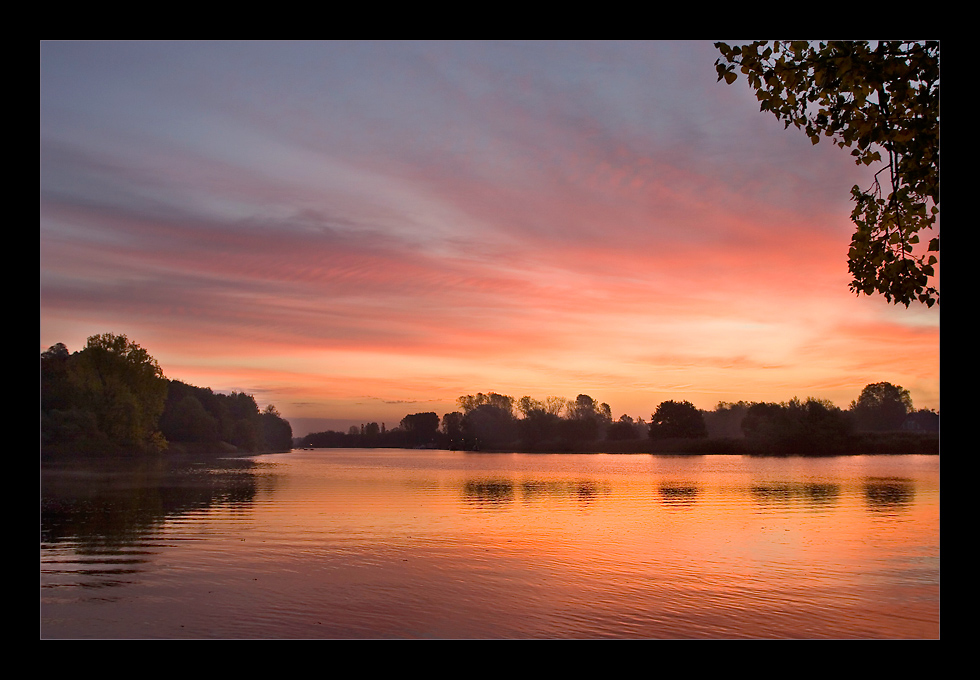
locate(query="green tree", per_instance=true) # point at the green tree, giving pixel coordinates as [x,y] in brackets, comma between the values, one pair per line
[55,388]
[677,419]
[880,98]
[122,386]
[188,421]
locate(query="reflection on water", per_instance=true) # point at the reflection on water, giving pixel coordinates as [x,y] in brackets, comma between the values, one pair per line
[102,523]
[678,495]
[404,544]
[805,493]
[484,492]
[889,493]
[495,492]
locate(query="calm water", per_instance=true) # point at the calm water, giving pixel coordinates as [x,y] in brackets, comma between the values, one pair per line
[436,544]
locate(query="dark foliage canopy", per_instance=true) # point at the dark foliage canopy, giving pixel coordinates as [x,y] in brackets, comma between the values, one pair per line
[677,419]
[112,396]
[882,406]
[881,100]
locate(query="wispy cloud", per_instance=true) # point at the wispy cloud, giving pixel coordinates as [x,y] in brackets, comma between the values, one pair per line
[328,220]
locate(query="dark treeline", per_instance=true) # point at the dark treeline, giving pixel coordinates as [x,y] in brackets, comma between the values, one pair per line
[881,420]
[112,397]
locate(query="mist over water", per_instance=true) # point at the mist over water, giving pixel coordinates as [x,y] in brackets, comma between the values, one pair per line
[349,543]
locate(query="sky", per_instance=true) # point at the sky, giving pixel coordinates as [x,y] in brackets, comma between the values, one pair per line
[356,231]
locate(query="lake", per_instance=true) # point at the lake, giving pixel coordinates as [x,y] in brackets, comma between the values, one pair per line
[401,544]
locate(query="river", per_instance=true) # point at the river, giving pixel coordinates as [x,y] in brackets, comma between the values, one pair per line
[398,544]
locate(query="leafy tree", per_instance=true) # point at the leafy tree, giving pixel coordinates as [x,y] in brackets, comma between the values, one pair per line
[587,418]
[55,388]
[881,407]
[539,426]
[452,428]
[188,421]
[797,427]
[527,405]
[121,385]
[421,428]
[878,99]
[924,420]
[583,408]
[275,431]
[498,401]
[489,426]
[726,420]
[622,429]
[677,419]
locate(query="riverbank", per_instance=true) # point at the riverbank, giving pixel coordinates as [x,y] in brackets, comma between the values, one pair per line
[880,443]
[178,451]
[866,443]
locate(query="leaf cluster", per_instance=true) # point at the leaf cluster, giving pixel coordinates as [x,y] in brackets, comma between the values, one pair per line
[880,100]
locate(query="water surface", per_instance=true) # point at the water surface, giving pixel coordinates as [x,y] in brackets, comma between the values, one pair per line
[351,543]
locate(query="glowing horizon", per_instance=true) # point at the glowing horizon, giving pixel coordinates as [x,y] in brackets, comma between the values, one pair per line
[358,231]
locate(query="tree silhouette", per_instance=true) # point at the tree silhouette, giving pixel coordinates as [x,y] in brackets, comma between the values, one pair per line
[677,419]
[882,406]
[876,99]
[421,428]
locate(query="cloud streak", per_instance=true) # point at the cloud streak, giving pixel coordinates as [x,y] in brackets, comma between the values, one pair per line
[320,221]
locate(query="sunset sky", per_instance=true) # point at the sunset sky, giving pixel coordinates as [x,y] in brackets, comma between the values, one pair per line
[358,231]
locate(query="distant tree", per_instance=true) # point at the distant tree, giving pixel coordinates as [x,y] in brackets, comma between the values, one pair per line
[622,429]
[421,428]
[526,405]
[371,435]
[499,401]
[188,421]
[677,419]
[583,408]
[489,426]
[923,420]
[882,406]
[275,432]
[799,427]
[764,421]
[557,406]
[726,420]
[452,429]
[538,427]
[585,421]
[56,391]
[328,439]
[880,98]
